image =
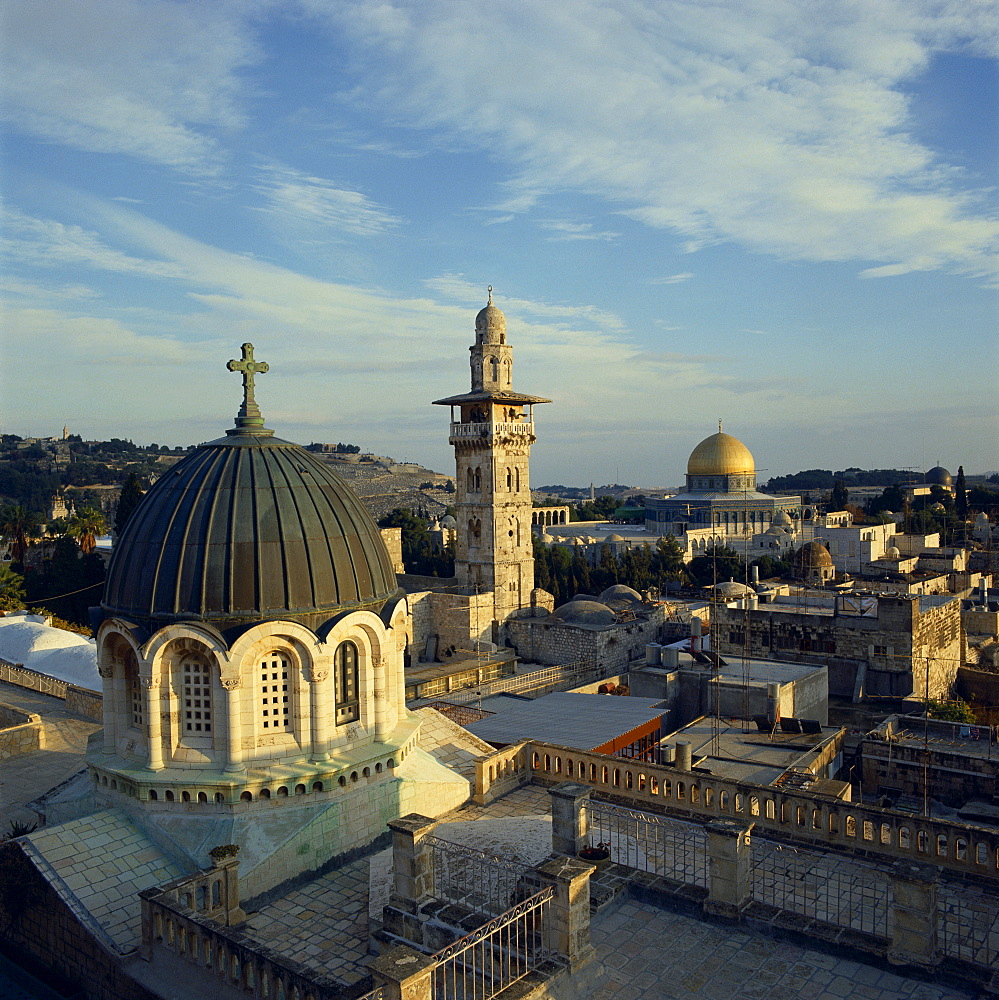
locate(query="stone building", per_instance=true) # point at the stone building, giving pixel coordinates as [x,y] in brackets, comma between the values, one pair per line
[912,758]
[888,645]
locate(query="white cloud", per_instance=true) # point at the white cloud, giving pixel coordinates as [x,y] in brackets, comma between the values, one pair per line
[784,131]
[569,231]
[151,79]
[47,243]
[314,207]
[673,279]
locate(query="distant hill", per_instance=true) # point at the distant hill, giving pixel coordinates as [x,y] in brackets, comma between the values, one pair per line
[825,479]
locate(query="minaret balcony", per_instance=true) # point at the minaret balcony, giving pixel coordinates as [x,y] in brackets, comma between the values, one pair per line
[489,431]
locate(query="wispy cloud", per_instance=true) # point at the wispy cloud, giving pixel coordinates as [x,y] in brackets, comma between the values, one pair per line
[314,206]
[673,279]
[754,124]
[569,231]
[153,80]
[48,243]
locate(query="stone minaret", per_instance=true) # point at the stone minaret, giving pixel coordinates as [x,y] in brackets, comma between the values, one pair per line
[492,437]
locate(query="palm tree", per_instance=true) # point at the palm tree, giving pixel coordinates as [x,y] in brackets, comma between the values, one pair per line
[11,588]
[18,525]
[85,527]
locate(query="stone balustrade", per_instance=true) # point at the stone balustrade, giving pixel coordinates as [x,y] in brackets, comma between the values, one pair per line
[83,701]
[501,772]
[194,919]
[488,429]
[812,820]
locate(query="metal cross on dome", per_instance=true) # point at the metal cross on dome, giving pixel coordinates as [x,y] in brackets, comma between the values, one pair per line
[249,412]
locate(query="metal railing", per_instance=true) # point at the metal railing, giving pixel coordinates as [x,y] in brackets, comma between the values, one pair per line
[378,993]
[477,881]
[822,887]
[969,923]
[656,844]
[501,952]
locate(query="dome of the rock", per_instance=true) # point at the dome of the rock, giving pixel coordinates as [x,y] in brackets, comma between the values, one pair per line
[720,455]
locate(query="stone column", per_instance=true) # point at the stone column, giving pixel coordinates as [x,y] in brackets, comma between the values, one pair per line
[110,708]
[154,723]
[730,876]
[380,691]
[403,974]
[230,892]
[319,712]
[567,925]
[411,861]
[234,725]
[916,918]
[570,818]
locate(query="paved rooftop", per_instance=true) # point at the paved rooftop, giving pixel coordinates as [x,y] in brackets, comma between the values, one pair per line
[24,778]
[651,954]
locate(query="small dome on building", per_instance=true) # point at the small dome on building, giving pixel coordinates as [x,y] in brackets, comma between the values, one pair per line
[448,522]
[584,613]
[490,324]
[938,476]
[548,539]
[614,537]
[720,455]
[982,519]
[813,555]
[893,553]
[782,519]
[730,589]
[620,590]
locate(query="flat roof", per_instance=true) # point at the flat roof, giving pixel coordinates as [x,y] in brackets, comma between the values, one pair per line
[584,721]
[745,754]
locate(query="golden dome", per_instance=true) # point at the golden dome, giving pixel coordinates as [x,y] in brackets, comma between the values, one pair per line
[720,455]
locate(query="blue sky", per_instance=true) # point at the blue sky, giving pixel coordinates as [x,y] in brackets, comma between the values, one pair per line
[782,214]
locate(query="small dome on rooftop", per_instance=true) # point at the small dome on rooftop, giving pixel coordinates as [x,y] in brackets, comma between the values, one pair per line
[585,613]
[813,555]
[490,323]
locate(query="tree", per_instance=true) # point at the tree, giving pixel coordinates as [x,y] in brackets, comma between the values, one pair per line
[128,499]
[717,565]
[840,495]
[85,527]
[11,588]
[18,525]
[892,498]
[961,495]
[950,711]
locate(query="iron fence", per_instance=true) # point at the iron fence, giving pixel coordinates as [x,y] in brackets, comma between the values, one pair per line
[969,923]
[823,887]
[480,882]
[501,952]
[650,843]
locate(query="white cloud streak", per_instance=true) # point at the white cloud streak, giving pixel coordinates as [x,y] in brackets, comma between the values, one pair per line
[784,131]
[149,79]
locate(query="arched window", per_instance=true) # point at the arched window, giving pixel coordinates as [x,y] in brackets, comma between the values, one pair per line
[275,693]
[470,481]
[478,479]
[495,367]
[197,693]
[509,479]
[348,707]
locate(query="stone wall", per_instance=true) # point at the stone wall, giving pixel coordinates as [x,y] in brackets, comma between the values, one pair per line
[50,934]
[904,648]
[20,732]
[613,648]
[955,778]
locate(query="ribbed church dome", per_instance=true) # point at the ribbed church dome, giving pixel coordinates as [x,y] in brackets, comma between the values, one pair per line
[720,455]
[248,527]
